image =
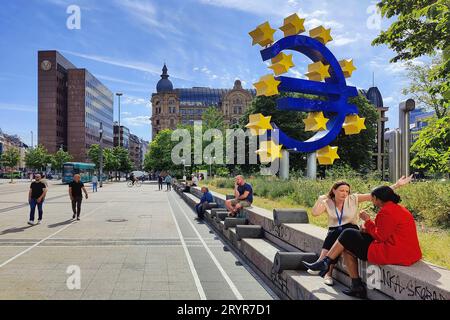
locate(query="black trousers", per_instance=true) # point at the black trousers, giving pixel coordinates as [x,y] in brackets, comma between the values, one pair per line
[160,185]
[356,242]
[76,205]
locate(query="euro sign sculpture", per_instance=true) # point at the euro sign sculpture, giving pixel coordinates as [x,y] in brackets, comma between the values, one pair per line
[326,79]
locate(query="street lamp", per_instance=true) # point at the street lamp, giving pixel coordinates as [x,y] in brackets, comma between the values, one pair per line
[119,94]
[100,131]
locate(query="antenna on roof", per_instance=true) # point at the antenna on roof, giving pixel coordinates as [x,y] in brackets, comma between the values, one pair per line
[373,79]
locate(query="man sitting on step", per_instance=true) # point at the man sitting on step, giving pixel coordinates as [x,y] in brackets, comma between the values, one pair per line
[243,193]
[206,199]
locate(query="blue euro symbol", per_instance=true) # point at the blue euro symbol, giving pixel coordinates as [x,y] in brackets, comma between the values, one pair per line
[336,107]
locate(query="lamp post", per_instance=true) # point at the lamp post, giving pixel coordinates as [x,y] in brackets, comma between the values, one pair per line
[31,139]
[100,171]
[119,94]
[210,164]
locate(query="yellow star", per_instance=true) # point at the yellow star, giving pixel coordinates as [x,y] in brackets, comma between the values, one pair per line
[315,122]
[327,155]
[281,63]
[347,67]
[267,86]
[293,25]
[269,151]
[321,34]
[354,124]
[318,71]
[259,124]
[262,35]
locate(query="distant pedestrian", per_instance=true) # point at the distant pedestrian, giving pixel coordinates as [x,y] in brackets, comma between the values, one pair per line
[36,197]
[168,181]
[160,182]
[75,188]
[94,183]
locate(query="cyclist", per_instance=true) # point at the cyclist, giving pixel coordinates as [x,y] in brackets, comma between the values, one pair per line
[132,178]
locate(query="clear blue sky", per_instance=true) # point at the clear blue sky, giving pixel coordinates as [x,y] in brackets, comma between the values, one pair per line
[204,43]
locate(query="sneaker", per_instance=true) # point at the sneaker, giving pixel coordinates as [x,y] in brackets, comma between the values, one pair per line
[73,217]
[78,218]
[312,272]
[328,280]
[31,223]
[39,221]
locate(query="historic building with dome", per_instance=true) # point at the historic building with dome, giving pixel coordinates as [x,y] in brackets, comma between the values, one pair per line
[171,107]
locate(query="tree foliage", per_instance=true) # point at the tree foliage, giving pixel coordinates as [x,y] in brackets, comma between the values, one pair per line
[94,154]
[422,28]
[10,158]
[431,151]
[158,157]
[37,158]
[59,158]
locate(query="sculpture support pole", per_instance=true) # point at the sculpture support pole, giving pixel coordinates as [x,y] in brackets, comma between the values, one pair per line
[311,169]
[404,109]
[284,165]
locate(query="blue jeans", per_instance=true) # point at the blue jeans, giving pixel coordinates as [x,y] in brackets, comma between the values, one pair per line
[94,186]
[33,203]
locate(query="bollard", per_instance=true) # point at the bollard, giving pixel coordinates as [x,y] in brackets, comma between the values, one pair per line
[233,222]
[249,231]
[292,260]
[289,216]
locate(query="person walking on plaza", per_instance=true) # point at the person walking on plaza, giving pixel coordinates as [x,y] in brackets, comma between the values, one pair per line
[243,193]
[160,182]
[75,188]
[206,199]
[36,196]
[391,239]
[94,183]
[168,181]
[341,207]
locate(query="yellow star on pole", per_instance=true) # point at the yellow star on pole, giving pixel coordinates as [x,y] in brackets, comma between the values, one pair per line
[293,25]
[267,86]
[321,34]
[259,124]
[281,63]
[315,122]
[269,151]
[318,71]
[347,67]
[327,155]
[354,124]
[263,34]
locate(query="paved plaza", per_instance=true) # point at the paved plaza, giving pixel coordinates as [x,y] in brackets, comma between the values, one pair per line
[131,243]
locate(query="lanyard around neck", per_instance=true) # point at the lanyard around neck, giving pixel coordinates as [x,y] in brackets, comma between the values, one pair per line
[339,217]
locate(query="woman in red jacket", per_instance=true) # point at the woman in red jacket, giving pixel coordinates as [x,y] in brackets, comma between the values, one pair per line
[391,239]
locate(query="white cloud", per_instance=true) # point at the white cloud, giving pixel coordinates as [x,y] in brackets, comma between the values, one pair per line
[135,101]
[138,121]
[107,78]
[17,107]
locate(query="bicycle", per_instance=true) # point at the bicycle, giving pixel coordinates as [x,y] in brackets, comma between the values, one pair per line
[137,183]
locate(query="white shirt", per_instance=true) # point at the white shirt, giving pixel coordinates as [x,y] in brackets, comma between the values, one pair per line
[94,179]
[350,211]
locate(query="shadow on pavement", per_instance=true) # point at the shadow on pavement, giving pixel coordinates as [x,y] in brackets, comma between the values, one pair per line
[15,230]
[63,223]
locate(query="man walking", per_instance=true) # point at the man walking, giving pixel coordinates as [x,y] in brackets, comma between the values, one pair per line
[94,183]
[168,181]
[36,196]
[75,188]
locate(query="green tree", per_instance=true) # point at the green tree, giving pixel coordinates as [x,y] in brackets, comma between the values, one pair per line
[212,118]
[421,28]
[37,158]
[357,150]
[110,160]
[94,154]
[431,151]
[59,158]
[10,158]
[123,156]
[158,157]
[422,84]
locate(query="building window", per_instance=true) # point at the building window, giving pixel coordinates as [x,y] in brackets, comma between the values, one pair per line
[157,122]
